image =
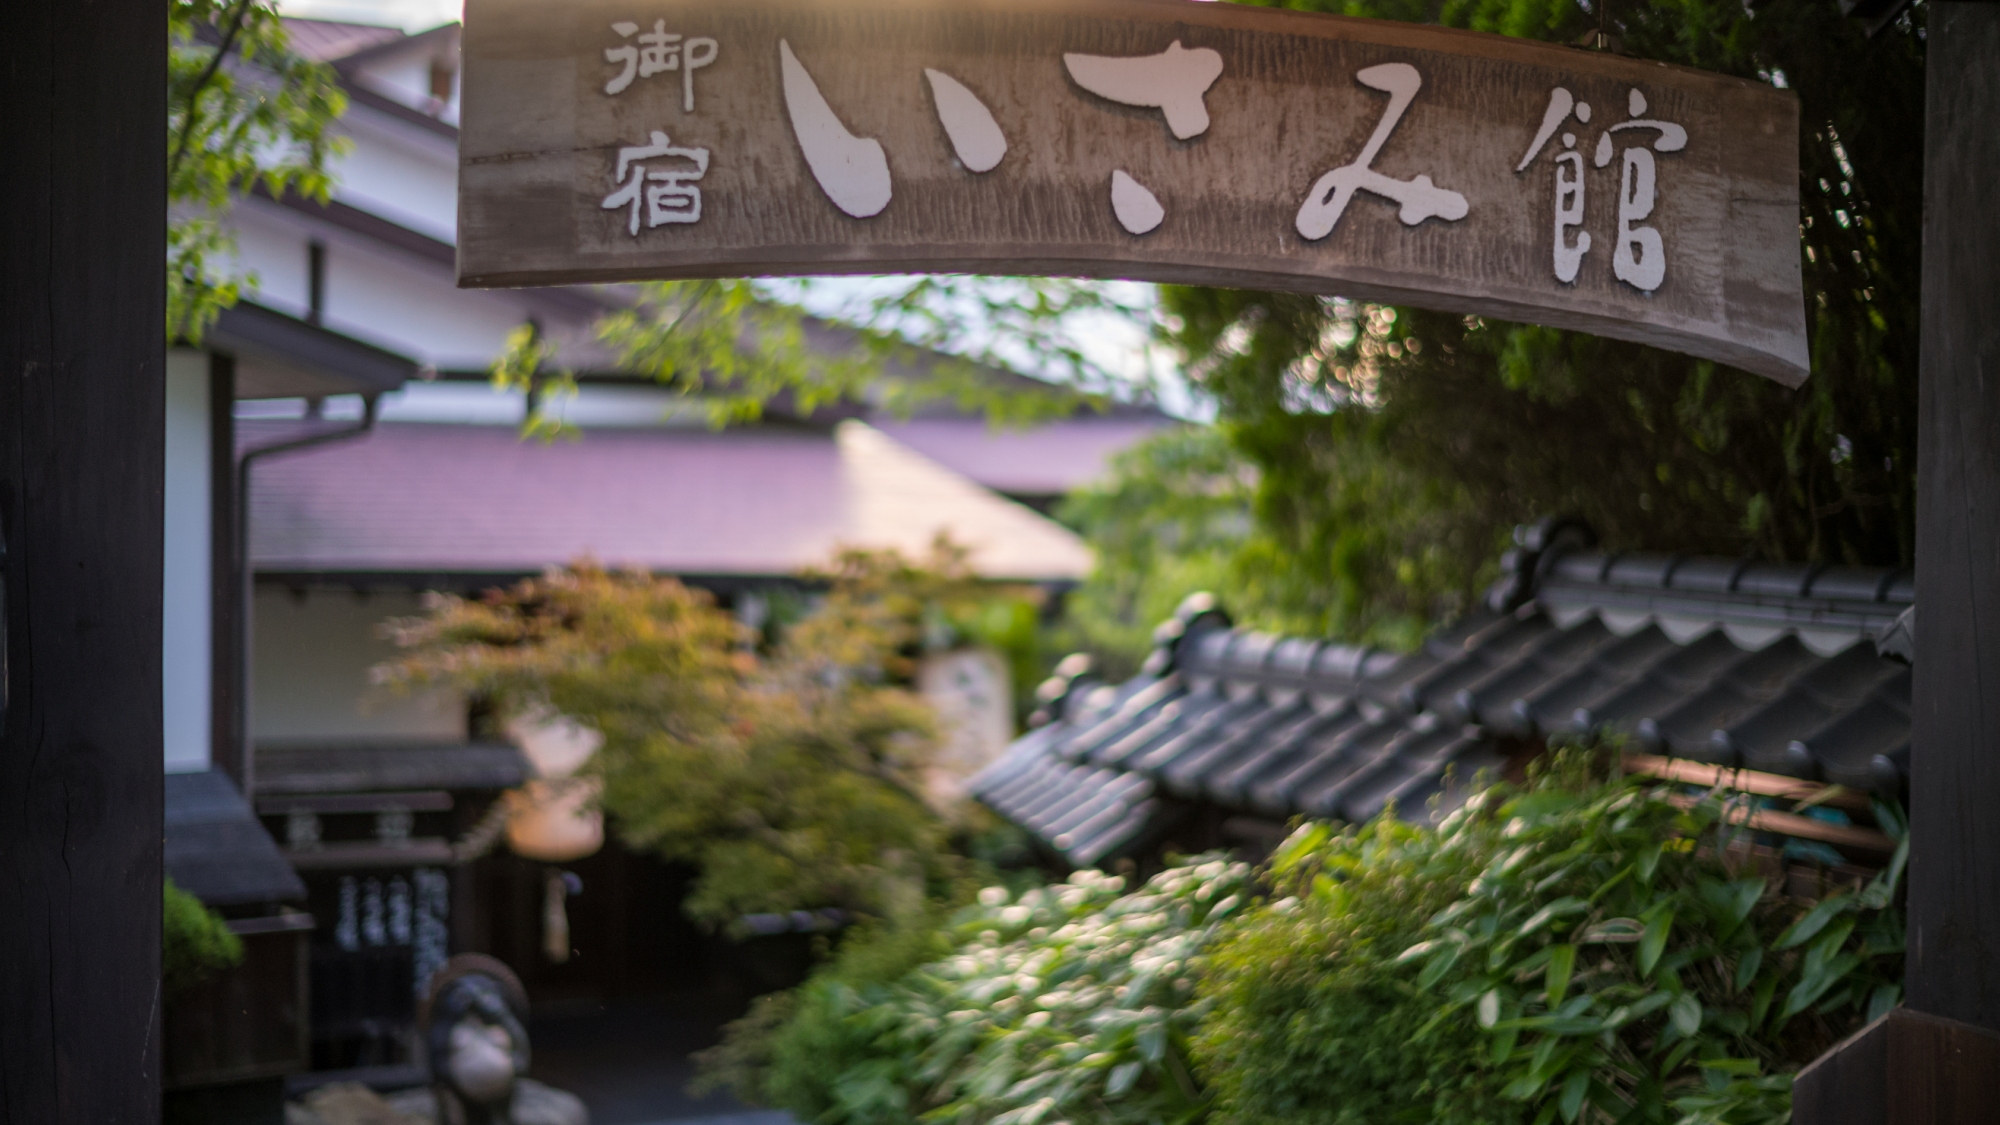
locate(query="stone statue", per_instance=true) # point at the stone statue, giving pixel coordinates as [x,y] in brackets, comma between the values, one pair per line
[473,1024]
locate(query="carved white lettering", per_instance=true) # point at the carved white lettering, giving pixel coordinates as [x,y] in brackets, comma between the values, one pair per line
[1640,260]
[1421,199]
[975,136]
[1138,210]
[656,52]
[1173,82]
[667,195]
[852,171]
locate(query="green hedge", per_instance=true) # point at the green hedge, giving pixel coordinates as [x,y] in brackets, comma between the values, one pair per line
[1578,949]
[195,943]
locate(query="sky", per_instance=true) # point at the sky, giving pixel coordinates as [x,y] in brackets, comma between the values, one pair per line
[410,15]
[1115,345]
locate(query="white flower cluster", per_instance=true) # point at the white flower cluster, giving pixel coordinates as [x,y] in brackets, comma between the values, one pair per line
[1071,1003]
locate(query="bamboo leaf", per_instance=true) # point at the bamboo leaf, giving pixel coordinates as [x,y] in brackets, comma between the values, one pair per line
[1648,861]
[1421,949]
[1814,921]
[1562,961]
[1746,969]
[1437,968]
[1613,931]
[1654,941]
[1882,1000]
[1815,984]
[1551,912]
[1685,1013]
[1573,1090]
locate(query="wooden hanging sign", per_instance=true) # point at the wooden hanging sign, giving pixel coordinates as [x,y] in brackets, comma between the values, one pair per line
[1163,140]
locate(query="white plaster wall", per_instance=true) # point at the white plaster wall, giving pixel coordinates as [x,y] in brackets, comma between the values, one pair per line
[309,673]
[186,622]
[415,307]
[401,175]
[378,294]
[271,250]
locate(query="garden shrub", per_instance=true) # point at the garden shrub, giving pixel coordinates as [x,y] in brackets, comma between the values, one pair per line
[1579,950]
[195,943]
[1067,1003]
[1313,1019]
[793,1047]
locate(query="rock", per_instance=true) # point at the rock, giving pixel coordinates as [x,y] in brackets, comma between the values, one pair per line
[536,1104]
[350,1103]
[418,1102]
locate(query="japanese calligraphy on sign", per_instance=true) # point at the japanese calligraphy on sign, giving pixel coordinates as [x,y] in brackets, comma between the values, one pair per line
[1218,144]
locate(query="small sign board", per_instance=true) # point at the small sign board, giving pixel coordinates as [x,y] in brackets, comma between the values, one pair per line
[1164,140]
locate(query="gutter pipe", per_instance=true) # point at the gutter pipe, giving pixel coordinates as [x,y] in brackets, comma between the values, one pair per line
[246,573]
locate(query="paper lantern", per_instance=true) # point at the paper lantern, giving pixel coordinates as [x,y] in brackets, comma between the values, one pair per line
[555,821]
[555,818]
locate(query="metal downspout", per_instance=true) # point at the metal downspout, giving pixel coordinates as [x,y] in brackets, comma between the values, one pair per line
[246,573]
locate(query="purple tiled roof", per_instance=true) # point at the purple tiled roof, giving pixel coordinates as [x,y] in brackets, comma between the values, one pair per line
[758,501]
[1049,459]
[326,40]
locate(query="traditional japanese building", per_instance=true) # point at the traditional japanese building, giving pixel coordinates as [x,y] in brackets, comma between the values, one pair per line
[1781,678]
[335,451]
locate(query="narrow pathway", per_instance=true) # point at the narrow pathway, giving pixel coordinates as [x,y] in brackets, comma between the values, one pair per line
[629,1061]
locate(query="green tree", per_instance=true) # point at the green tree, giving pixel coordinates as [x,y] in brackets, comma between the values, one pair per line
[1395,447]
[1172,516]
[791,776]
[242,110]
[738,349]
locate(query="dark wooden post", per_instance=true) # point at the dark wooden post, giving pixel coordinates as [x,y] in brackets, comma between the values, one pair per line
[82,364]
[1937,1062]
[227,678]
[1954,966]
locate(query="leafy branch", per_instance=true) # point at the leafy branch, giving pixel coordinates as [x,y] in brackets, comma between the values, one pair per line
[737,348]
[243,110]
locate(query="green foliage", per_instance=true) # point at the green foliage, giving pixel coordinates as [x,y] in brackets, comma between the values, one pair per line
[195,943]
[1072,1002]
[992,326]
[715,340]
[738,349]
[1395,448]
[1577,950]
[791,778]
[903,608]
[242,111]
[1171,517]
[793,1047]
[1312,1023]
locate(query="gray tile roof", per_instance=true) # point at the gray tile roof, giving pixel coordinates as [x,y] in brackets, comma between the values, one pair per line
[217,851]
[1765,667]
[374,767]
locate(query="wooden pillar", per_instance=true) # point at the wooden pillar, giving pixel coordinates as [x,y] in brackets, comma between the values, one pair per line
[1937,1062]
[1954,958]
[82,367]
[227,680]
